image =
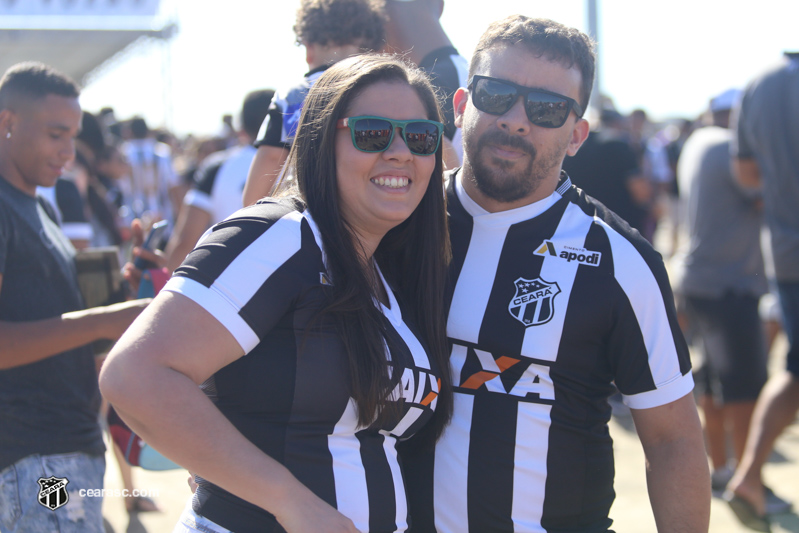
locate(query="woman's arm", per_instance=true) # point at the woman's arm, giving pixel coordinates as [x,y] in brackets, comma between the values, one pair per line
[152,376]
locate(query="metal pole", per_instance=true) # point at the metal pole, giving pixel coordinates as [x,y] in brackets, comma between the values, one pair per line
[592,11]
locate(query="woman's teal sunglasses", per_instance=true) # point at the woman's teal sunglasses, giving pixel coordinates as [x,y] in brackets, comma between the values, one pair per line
[374,134]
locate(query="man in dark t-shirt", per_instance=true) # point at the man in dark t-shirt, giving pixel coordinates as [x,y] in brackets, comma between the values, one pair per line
[606,169]
[50,441]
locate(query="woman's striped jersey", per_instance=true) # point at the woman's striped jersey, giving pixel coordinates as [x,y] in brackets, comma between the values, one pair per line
[549,305]
[261,273]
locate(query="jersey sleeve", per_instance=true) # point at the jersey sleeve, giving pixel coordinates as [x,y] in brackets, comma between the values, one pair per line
[249,270]
[200,195]
[647,350]
[271,132]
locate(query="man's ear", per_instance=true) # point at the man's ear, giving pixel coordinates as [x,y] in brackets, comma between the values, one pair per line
[6,121]
[579,135]
[459,101]
[310,53]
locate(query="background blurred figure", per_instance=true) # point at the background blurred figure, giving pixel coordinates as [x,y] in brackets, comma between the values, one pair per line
[413,30]
[220,183]
[653,161]
[722,282]
[607,169]
[153,191]
[330,30]
[766,151]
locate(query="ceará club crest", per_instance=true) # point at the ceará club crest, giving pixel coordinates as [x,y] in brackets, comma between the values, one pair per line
[534,301]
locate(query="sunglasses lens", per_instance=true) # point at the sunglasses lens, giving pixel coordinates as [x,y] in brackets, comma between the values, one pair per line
[546,110]
[372,135]
[493,96]
[421,137]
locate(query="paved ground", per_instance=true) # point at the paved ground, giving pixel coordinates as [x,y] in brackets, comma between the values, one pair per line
[631,512]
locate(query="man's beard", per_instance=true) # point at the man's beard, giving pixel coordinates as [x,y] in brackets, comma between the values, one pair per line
[495,177]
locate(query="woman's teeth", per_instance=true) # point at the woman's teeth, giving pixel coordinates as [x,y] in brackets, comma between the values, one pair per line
[394,183]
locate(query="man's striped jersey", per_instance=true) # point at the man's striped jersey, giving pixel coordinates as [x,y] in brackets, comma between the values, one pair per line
[549,305]
[261,273]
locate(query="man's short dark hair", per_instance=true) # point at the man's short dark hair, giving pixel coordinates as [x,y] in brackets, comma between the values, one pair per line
[139,128]
[544,38]
[254,109]
[31,81]
[341,22]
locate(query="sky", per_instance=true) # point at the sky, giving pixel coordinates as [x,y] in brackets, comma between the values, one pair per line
[668,58]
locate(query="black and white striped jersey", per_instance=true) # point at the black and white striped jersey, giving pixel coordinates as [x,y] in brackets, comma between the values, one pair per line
[549,305]
[220,182]
[262,274]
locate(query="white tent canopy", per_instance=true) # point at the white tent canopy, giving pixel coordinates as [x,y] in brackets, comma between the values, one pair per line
[75,37]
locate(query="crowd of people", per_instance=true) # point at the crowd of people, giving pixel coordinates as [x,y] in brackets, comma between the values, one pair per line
[402,293]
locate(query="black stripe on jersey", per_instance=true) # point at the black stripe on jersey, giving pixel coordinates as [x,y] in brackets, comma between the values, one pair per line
[460,219]
[417,470]
[490,508]
[651,257]
[207,176]
[510,336]
[298,267]
[584,485]
[311,448]
[381,503]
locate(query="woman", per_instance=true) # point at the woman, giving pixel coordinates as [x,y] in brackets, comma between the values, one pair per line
[299,433]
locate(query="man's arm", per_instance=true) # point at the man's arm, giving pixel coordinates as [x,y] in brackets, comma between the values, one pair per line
[264,171]
[27,342]
[192,223]
[677,474]
[746,172]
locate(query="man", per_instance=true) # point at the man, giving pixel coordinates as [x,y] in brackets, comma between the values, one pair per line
[765,151]
[607,169]
[50,440]
[722,282]
[413,29]
[552,300]
[330,30]
[220,183]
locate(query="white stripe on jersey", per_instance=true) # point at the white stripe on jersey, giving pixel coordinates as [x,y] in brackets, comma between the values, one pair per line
[530,467]
[468,306]
[451,469]
[219,306]
[348,471]
[200,200]
[244,276]
[543,340]
[399,487]
[637,281]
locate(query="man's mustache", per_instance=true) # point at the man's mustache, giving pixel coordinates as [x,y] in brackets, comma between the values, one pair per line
[501,138]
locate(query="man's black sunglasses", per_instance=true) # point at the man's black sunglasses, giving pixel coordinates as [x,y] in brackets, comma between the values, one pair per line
[544,108]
